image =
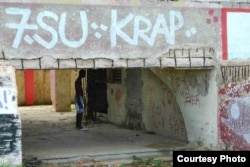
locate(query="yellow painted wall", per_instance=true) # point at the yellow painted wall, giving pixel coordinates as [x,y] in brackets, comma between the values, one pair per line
[20,87]
[42,87]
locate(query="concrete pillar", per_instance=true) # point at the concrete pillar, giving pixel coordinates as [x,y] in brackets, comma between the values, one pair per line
[61,90]
[10,124]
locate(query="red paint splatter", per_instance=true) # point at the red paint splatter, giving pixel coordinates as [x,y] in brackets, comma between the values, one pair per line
[216,19]
[213,19]
[247,88]
[211,12]
[222,91]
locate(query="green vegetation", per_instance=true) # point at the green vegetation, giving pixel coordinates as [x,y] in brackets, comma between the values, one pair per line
[4,163]
[8,165]
[150,162]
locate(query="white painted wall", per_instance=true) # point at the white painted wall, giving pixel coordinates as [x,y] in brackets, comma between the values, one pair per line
[201,120]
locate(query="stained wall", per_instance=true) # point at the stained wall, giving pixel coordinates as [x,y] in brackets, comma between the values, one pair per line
[161,111]
[193,94]
[10,122]
[116,96]
[234,115]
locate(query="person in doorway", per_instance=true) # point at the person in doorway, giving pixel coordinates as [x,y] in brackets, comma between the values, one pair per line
[80,101]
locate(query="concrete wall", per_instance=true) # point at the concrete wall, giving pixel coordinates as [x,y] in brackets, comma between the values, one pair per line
[161,112]
[196,94]
[116,96]
[62,89]
[10,124]
[198,101]
[181,104]
[134,101]
[234,116]
[114,40]
[233,79]
[233,104]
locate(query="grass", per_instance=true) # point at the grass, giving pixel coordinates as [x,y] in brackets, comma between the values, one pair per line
[149,162]
[7,165]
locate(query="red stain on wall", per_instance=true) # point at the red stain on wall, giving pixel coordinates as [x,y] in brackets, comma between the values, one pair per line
[118,96]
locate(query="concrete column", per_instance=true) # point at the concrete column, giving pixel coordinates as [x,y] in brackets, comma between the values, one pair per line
[10,124]
[61,90]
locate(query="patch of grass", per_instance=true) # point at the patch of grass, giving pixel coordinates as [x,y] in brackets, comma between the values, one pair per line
[122,165]
[6,165]
[149,162]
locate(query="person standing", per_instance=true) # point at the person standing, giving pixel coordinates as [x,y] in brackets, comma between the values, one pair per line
[80,100]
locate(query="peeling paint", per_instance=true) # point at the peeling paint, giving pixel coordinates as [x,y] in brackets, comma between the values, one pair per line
[234,116]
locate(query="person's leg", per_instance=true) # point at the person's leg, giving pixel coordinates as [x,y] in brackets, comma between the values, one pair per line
[79,112]
[79,115]
[79,120]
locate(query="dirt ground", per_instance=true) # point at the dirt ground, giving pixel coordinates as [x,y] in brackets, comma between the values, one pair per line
[49,139]
[34,162]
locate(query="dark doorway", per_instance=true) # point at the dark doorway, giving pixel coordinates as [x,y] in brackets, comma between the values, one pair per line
[97,92]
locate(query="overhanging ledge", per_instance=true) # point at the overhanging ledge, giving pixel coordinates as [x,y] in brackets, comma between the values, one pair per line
[190,58]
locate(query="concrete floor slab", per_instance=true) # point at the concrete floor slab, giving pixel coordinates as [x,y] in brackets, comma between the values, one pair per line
[51,136]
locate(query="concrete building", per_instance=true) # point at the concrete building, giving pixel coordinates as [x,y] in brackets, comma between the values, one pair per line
[179,69]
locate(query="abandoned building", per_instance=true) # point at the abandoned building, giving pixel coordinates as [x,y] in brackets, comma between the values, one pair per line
[176,68]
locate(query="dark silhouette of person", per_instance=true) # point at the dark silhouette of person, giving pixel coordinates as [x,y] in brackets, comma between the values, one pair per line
[80,101]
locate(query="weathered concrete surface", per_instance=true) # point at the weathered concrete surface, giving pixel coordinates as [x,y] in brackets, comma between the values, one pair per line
[47,37]
[133,103]
[50,136]
[175,103]
[162,113]
[234,116]
[10,125]
[195,93]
